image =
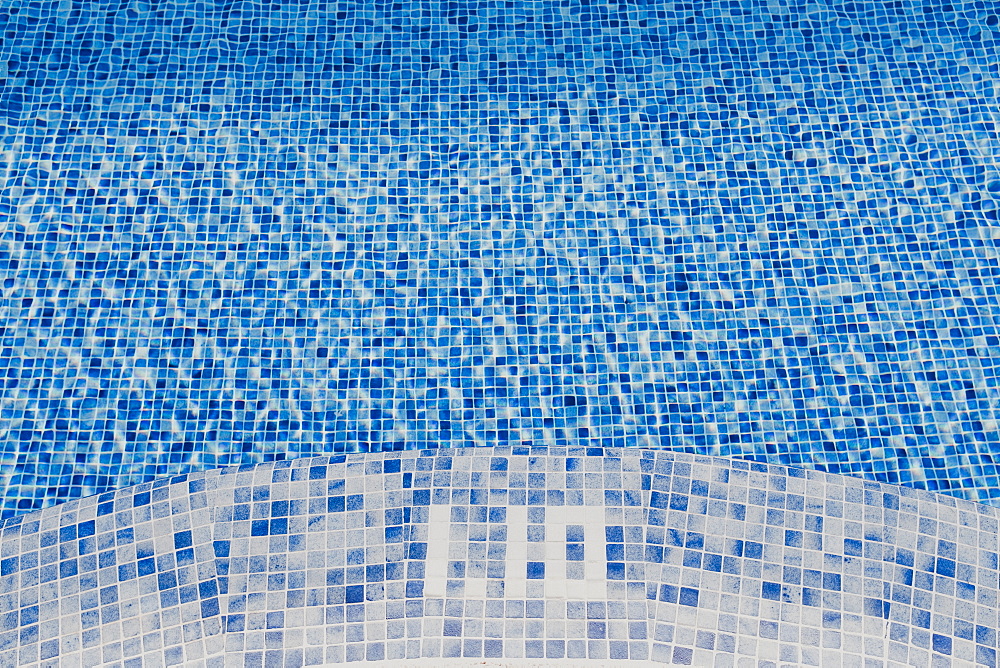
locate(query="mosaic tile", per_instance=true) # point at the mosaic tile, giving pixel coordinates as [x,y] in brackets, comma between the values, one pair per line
[238,232]
[652,557]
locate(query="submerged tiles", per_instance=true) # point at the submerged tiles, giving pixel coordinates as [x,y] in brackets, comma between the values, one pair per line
[610,555]
[233,232]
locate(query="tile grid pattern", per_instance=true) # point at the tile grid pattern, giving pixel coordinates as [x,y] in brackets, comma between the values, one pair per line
[232,232]
[699,561]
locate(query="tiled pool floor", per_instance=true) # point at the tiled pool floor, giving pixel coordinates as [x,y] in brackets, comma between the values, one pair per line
[233,232]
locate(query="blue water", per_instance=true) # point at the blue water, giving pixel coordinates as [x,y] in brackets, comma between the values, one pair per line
[238,232]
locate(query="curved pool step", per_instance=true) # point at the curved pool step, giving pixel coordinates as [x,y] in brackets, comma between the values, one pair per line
[506,557]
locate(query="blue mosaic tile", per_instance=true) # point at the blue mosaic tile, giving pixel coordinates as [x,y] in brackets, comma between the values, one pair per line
[240,232]
[766,565]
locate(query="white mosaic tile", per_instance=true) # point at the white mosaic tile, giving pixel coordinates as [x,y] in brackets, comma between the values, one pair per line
[501,555]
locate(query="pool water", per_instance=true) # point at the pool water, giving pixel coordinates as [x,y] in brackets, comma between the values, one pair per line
[249,231]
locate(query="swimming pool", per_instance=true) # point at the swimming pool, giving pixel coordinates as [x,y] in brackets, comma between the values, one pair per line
[241,232]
